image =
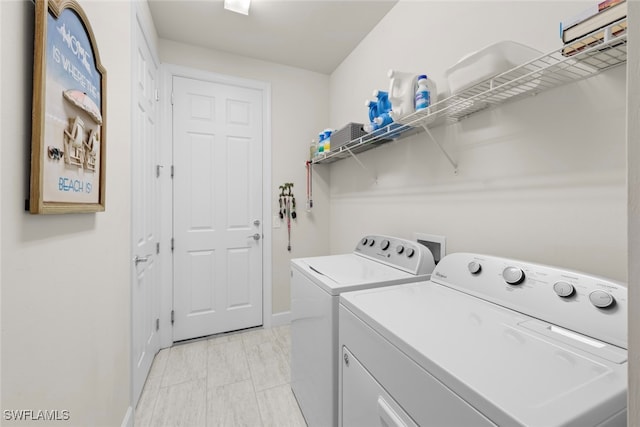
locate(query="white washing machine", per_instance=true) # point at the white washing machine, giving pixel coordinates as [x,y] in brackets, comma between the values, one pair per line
[316,284]
[487,341]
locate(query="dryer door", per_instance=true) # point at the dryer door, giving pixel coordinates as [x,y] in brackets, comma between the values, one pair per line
[364,401]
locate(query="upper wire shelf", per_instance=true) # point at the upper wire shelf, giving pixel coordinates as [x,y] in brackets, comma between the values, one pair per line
[543,73]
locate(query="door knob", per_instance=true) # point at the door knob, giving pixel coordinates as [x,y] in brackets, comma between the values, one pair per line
[256,222]
[255,236]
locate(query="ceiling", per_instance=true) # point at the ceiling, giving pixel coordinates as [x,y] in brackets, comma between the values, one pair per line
[316,35]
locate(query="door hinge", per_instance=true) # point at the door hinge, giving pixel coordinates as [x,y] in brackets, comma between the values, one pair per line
[171,98]
[156,95]
[157,324]
[171,171]
[157,248]
[172,316]
[172,242]
[158,167]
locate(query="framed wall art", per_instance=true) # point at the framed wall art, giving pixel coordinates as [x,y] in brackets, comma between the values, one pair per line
[69,113]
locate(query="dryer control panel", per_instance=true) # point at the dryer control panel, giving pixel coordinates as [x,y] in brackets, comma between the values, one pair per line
[403,254]
[583,303]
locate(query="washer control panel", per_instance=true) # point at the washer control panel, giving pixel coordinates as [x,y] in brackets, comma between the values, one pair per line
[406,255]
[591,305]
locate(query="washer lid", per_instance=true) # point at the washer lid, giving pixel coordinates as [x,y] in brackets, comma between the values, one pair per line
[492,358]
[348,272]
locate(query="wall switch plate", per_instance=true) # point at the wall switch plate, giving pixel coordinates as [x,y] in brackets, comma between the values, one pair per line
[276,221]
[436,244]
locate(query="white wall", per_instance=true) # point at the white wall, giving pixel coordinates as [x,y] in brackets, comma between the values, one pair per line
[633,137]
[299,102]
[542,179]
[65,279]
[1,134]
[1,116]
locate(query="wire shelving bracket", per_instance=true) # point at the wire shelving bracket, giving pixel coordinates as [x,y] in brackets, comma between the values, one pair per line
[446,154]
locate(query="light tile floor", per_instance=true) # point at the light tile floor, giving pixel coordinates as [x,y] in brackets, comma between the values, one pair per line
[237,379]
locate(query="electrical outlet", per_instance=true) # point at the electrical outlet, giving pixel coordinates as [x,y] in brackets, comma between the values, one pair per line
[436,244]
[276,221]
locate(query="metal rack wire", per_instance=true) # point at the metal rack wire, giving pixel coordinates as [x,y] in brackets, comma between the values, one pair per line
[557,68]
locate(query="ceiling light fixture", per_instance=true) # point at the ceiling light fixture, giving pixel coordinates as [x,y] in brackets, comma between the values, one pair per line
[238,6]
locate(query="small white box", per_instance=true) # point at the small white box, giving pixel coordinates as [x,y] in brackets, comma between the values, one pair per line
[488,62]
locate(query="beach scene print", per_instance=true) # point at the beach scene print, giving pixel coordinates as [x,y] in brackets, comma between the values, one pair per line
[73,118]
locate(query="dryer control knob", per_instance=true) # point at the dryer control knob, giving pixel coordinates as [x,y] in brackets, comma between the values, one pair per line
[372,242]
[364,241]
[410,252]
[563,289]
[513,275]
[601,299]
[474,267]
[385,245]
[399,249]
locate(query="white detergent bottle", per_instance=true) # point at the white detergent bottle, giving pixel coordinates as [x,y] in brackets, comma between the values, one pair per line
[423,95]
[402,89]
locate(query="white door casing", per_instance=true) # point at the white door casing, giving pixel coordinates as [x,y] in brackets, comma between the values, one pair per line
[145,215]
[218,207]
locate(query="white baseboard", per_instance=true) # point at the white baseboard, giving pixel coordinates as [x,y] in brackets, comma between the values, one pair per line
[128,418]
[282,318]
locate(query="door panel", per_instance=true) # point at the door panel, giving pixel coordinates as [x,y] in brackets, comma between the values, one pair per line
[238,285]
[217,197]
[201,275]
[201,182]
[145,218]
[239,183]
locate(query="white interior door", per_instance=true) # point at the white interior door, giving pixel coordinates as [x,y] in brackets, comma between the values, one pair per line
[145,217]
[217,155]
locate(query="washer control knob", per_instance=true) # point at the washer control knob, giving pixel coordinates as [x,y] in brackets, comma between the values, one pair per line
[513,275]
[474,267]
[372,242]
[601,299]
[563,289]
[385,245]
[399,249]
[364,241]
[410,252]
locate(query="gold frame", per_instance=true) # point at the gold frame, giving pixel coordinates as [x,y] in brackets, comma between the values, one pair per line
[36,202]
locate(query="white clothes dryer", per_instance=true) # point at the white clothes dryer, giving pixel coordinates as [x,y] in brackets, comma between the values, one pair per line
[487,341]
[316,284]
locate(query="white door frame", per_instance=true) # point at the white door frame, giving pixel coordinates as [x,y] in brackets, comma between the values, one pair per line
[168,71]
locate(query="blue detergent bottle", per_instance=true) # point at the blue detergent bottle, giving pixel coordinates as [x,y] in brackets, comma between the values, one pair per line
[383,120]
[321,142]
[373,109]
[384,105]
[327,139]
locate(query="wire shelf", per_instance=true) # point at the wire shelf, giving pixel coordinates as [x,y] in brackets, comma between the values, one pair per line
[575,61]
